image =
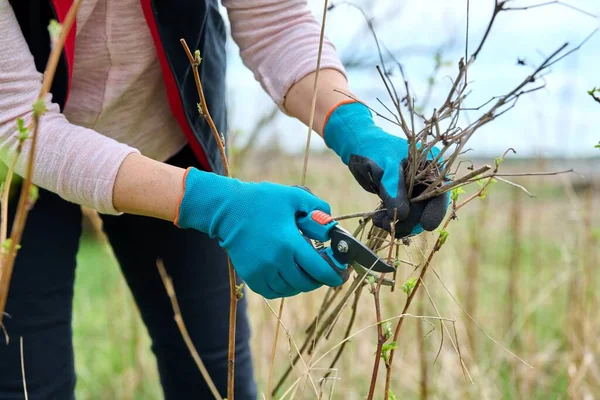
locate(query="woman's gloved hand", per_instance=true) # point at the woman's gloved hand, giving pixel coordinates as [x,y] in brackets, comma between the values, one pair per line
[256,224]
[377,160]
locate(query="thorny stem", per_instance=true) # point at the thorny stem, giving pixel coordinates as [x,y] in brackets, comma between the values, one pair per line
[182,328]
[233,295]
[24,204]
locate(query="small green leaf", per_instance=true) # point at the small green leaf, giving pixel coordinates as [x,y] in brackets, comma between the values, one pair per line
[23,130]
[391,396]
[597,146]
[371,279]
[199,109]
[54,28]
[498,161]
[21,125]
[39,108]
[387,329]
[455,193]
[443,236]
[389,346]
[197,56]
[409,285]
[385,350]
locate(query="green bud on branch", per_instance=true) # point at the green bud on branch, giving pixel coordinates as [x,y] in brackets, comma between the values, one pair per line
[6,245]
[387,329]
[39,108]
[409,285]
[239,291]
[456,192]
[54,28]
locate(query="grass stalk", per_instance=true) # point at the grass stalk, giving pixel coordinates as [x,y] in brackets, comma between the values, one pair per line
[514,276]
[472,272]
[184,332]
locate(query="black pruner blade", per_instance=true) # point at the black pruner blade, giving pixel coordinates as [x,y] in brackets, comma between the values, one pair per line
[347,250]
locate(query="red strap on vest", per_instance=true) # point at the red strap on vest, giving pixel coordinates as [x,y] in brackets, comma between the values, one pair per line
[173,94]
[62,8]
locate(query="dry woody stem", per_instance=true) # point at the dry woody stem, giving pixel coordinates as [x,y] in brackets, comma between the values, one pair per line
[184,332]
[24,204]
[233,291]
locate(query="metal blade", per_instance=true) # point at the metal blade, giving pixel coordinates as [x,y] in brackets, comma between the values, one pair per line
[347,249]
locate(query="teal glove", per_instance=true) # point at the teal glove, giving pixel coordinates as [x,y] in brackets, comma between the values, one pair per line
[256,224]
[378,160]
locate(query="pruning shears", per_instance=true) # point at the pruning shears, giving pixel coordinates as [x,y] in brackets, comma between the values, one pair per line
[344,248]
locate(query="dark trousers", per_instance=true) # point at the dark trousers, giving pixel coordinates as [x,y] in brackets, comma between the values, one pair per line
[41,295]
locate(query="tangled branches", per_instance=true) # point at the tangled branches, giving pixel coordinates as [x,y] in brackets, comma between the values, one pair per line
[433,173]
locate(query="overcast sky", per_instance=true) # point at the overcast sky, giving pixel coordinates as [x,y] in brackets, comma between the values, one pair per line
[559,120]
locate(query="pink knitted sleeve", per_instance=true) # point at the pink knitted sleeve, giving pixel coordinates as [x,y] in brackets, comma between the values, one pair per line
[279,42]
[78,164]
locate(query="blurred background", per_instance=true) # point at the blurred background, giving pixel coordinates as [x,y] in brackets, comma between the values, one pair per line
[525,269]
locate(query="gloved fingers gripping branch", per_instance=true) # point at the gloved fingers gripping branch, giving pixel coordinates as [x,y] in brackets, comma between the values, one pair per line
[378,160]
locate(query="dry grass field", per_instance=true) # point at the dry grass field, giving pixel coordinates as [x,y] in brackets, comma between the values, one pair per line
[524,268]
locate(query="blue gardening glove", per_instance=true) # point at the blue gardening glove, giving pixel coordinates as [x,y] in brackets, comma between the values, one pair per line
[256,224]
[378,160]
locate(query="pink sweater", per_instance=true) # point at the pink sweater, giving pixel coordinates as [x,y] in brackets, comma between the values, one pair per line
[118,103]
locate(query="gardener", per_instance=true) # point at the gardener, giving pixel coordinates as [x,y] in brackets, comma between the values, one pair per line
[122,135]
